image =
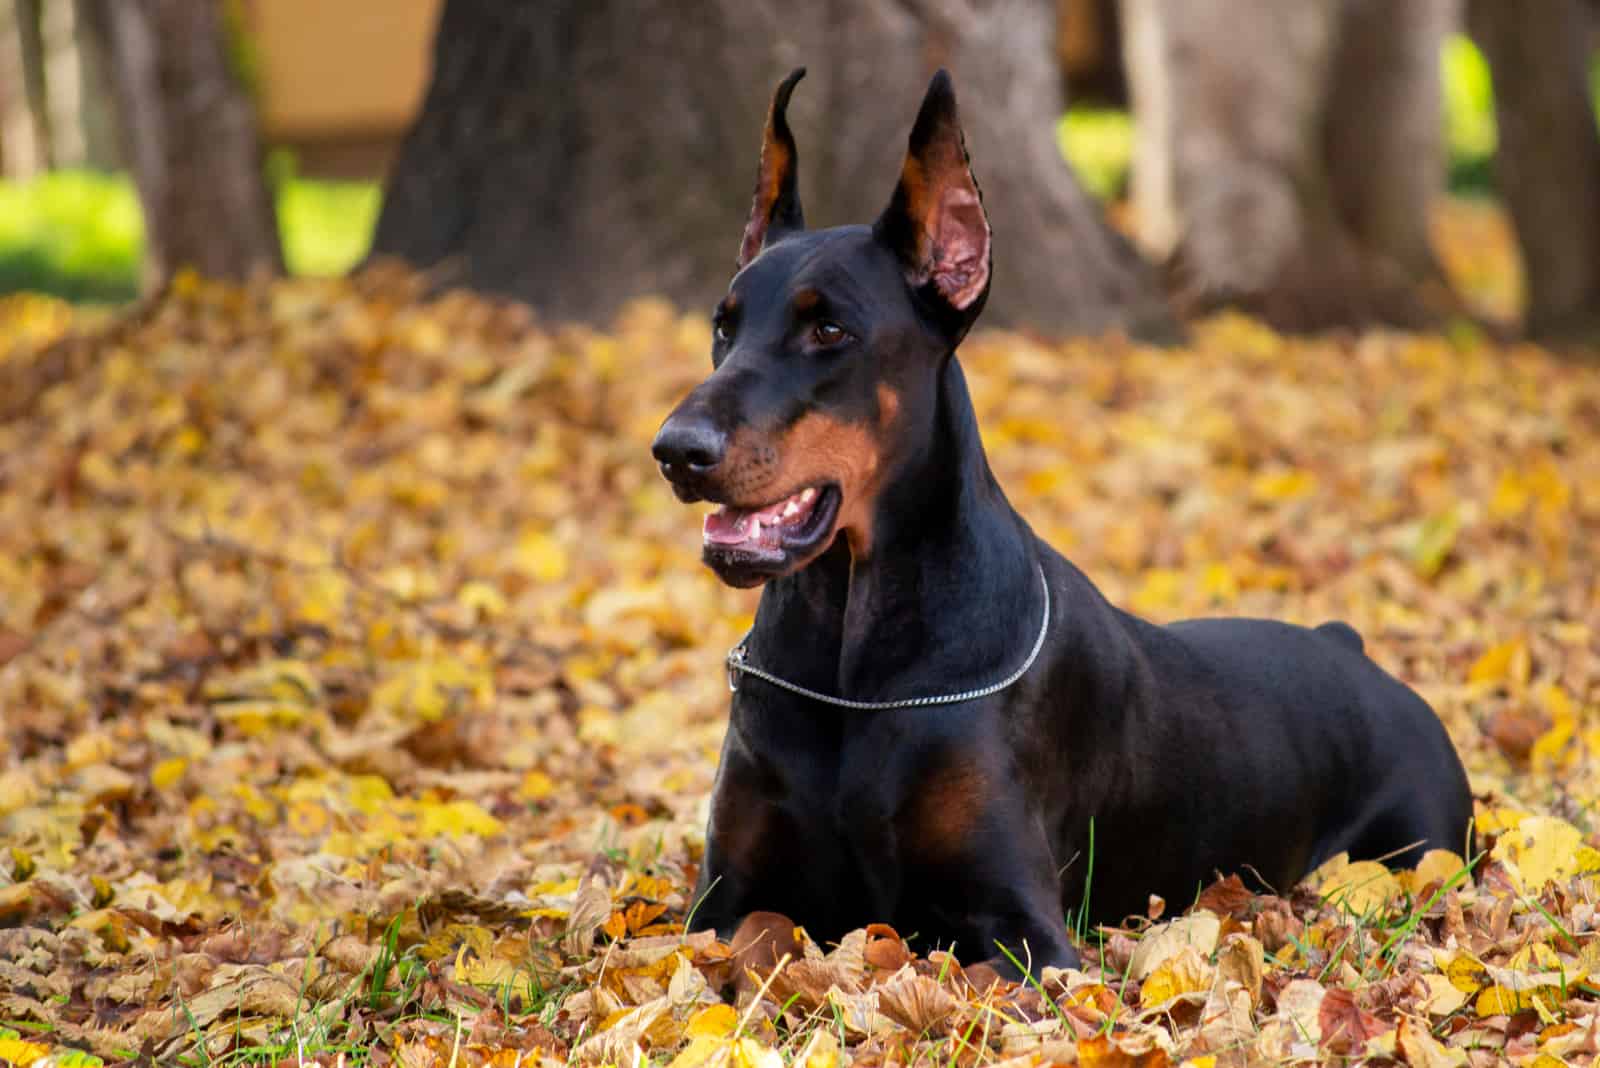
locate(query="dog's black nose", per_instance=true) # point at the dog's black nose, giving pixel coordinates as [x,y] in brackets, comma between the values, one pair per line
[688,445]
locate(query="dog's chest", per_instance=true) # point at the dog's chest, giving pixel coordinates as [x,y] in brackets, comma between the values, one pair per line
[857,817]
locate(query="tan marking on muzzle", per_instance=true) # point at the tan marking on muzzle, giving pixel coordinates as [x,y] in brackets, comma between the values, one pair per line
[817,449]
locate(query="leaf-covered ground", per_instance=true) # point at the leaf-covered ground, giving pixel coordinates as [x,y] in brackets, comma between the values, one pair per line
[361,691]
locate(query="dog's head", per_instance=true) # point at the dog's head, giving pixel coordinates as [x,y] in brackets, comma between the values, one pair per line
[828,350]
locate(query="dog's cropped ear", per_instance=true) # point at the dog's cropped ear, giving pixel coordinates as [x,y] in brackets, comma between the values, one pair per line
[935,222]
[775,210]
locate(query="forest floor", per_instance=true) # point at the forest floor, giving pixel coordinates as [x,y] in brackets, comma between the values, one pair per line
[360,689]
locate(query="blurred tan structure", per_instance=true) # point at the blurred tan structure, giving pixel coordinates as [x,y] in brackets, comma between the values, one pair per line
[339,82]
[335,82]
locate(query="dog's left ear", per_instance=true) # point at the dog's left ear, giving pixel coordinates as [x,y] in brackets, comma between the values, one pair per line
[935,222]
[775,209]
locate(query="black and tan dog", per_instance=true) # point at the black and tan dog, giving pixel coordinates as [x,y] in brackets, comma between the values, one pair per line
[837,435]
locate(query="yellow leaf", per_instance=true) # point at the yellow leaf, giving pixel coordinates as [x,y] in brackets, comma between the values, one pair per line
[822,1051]
[18,789]
[1503,663]
[1283,485]
[540,556]
[22,864]
[1436,866]
[1421,1050]
[307,818]
[456,818]
[1495,821]
[14,1050]
[481,598]
[1505,999]
[1186,972]
[91,747]
[748,1053]
[322,597]
[1467,974]
[1435,540]
[1510,496]
[168,772]
[700,1051]
[718,1021]
[1542,849]
[1363,887]
[536,786]
[1443,997]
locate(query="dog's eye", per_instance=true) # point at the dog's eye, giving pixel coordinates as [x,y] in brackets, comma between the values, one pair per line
[724,330]
[828,334]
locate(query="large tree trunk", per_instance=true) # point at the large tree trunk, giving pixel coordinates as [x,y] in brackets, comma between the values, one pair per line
[1547,163]
[575,153]
[190,137]
[1288,153]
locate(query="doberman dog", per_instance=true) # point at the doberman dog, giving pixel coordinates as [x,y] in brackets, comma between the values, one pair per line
[936,715]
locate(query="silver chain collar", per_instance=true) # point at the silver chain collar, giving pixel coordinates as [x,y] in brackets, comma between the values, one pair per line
[737,666]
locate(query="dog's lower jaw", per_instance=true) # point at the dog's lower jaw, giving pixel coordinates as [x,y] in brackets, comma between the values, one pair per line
[745,565]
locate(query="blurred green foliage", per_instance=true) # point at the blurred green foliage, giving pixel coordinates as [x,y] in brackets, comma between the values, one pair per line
[1468,116]
[74,234]
[79,234]
[1099,144]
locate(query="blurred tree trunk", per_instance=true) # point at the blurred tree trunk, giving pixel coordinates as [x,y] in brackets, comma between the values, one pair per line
[189,136]
[575,153]
[1288,153]
[24,120]
[82,128]
[1547,164]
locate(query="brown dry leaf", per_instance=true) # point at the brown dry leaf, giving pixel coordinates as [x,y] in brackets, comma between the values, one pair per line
[1300,1008]
[1198,931]
[1241,960]
[914,1001]
[590,908]
[1345,1026]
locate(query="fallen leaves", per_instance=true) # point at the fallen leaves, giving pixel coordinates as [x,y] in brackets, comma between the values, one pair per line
[361,689]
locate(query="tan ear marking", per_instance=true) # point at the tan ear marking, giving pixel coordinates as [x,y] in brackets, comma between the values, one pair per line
[935,221]
[775,207]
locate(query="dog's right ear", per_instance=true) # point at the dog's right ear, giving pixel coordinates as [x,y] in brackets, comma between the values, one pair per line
[775,211]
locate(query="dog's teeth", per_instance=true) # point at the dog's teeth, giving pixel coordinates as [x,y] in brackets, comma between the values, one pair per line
[791,509]
[807,495]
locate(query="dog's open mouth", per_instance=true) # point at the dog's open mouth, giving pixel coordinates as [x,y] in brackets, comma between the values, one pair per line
[774,533]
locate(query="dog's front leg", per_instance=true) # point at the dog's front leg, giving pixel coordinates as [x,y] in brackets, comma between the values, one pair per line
[995,895]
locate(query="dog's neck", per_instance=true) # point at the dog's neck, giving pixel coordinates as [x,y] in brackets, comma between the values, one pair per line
[949,597]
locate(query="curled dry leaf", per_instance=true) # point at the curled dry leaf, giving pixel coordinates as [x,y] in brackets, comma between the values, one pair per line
[1242,960]
[1186,974]
[1198,931]
[591,906]
[914,1001]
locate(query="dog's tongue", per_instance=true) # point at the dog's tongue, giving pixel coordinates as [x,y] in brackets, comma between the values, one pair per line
[757,528]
